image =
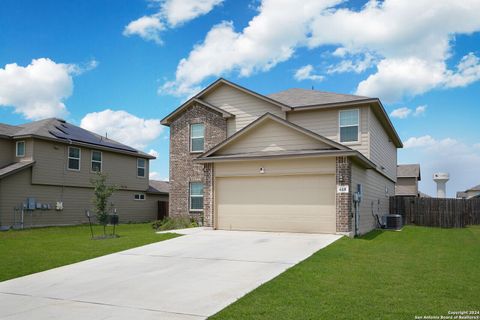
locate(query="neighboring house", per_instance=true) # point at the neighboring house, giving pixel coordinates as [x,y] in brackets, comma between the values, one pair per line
[408,176]
[46,168]
[161,188]
[290,161]
[473,192]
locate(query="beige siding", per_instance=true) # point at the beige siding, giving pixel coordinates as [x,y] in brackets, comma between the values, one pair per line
[271,136]
[376,192]
[7,151]
[326,123]
[15,189]
[406,187]
[277,203]
[51,168]
[382,150]
[244,106]
[276,167]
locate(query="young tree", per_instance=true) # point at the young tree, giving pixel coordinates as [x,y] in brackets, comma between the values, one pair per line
[102,192]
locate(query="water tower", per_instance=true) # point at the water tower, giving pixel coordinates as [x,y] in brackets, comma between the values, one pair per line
[441,179]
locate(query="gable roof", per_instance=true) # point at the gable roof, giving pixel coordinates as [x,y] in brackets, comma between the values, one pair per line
[408,171]
[301,99]
[168,119]
[297,98]
[221,81]
[62,131]
[269,116]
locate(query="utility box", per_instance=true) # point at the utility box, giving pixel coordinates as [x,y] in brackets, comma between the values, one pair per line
[31,204]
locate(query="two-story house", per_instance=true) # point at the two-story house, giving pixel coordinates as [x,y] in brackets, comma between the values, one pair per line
[291,161]
[46,169]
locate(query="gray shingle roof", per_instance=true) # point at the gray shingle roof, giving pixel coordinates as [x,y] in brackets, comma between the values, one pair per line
[51,128]
[12,168]
[157,186]
[476,188]
[408,171]
[8,130]
[296,97]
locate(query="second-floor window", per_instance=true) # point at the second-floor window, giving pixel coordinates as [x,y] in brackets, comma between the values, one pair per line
[20,149]
[96,161]
[74,158]
[141,166]
[349,124]
[197,137]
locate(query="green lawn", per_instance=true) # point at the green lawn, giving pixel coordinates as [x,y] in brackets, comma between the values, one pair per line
[384,275]
[33,250]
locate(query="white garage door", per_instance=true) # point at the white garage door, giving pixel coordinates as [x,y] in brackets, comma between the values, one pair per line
[296,203]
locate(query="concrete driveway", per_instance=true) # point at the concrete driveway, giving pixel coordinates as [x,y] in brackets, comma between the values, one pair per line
[190,277]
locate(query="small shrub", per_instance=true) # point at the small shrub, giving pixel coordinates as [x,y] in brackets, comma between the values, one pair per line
[176,222]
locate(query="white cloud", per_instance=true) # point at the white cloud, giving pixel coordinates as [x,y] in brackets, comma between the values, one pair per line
[307,73]
[411,54]
[398,78]
[147,27]
[358,65]
[468,71]
[39,89]
[400,113]
[180,11]
[417,142]
[443,155]
[404,112]
[123,127]
[270,38]
[156,176]
[153,153]
[420,110]
[171,14]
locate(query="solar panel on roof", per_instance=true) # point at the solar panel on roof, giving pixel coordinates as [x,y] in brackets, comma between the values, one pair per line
[74,133]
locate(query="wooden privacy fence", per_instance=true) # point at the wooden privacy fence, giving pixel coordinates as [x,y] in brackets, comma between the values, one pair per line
[435,212]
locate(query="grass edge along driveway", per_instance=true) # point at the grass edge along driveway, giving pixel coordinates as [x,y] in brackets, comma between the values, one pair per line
[383,275]
[29,251]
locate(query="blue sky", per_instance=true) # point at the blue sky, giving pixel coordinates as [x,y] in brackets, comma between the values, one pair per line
[76,59]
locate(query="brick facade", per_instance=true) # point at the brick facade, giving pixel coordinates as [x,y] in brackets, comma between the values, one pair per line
[183,170]
[344,200]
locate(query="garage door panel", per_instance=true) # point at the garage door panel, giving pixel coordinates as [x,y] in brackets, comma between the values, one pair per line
[279,203]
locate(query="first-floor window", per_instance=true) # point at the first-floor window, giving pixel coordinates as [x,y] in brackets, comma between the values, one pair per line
[74,158]
[139,196]
[196,196]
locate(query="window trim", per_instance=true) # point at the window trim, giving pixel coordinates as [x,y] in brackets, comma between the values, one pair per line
[197,196]
[144,168]
[340,127]
[139,197]
[92,161]
[191,137]
[79,158]
[24,149]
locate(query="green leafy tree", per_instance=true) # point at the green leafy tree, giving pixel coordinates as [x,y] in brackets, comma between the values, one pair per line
[102,192]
